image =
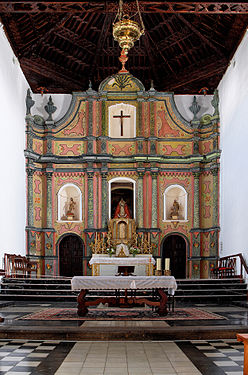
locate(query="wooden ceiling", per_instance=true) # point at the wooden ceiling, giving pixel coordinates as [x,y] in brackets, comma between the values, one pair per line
[62,45]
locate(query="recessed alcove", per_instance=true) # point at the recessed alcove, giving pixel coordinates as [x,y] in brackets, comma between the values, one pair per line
[175,203]
[69,203]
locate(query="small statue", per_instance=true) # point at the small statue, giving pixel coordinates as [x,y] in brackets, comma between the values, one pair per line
[175,210]
[70,212]
[122,210]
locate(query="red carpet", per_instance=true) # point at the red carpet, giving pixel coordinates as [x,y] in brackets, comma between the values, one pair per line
[121,314]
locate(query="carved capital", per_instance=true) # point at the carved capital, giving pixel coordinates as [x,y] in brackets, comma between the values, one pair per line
[30,172]
[196,174]
[49,175]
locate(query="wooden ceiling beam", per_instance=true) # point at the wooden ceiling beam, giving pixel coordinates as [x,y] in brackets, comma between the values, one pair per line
[200,35]
[203,72]
[146,6]
[28,49]
[48,70]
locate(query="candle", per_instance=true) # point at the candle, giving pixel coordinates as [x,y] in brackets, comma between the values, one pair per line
[158,264]
[167,264]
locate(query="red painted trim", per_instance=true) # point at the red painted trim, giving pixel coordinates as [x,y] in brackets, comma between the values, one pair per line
[87,118]
[144,202]
[86,201]
[155,120]
[143,120]
[192,200]
[94,119]
[149,118]
[158,205]
[150,200]
[99,201]
[95,200]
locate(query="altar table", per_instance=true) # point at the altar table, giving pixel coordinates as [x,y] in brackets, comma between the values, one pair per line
[98,261]
[153,288]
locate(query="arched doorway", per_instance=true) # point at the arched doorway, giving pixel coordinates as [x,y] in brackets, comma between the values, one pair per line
[71,249]
[174,247]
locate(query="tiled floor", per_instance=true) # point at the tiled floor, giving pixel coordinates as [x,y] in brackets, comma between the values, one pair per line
[150,357]
[30,357]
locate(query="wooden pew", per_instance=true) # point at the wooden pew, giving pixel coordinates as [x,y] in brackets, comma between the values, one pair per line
[226,268]
[243,337]
[19,266]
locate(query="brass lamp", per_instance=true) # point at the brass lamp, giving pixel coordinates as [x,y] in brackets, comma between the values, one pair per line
[126,32]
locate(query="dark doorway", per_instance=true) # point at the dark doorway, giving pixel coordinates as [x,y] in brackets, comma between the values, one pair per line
[174,247]
[71,256]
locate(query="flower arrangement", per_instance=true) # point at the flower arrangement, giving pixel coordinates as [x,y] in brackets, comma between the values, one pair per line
[134,250]
[110,251]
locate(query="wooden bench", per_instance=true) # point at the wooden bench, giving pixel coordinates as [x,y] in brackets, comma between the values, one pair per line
[226,268]
[19,266]
[243,337]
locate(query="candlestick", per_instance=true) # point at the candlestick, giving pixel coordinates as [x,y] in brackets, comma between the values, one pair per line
[158,264]
[167,264]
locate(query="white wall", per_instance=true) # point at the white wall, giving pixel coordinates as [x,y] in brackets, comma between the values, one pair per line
[183,102]
[13,87]
[233,91]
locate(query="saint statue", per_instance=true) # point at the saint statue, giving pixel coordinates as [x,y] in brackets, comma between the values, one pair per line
[72,205]
[175,209]
[122,210]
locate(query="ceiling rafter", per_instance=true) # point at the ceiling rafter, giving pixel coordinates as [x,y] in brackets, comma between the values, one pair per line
[111,7]
[201,36]
[27,50]
[207,69]
[101,41]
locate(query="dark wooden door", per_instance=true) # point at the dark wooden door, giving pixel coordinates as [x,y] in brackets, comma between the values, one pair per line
[71,256]
[174,247]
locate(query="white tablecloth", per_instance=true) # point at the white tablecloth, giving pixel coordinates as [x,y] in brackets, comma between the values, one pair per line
[124,282]
[127,261]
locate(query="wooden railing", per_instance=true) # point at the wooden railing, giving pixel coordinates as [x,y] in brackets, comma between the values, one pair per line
[230,262]
[18,266]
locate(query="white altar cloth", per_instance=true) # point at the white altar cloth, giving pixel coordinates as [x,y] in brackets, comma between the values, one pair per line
[126,261]
[124,282]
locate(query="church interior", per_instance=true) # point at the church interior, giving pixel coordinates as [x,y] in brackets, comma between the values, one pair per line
[123,190]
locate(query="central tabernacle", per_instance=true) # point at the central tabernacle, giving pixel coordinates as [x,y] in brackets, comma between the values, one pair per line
[120,247]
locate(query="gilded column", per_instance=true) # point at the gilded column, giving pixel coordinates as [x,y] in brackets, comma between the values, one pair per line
[30,173]
[49,176]
[140,198]
[196,221]
[104,200]
[90,200]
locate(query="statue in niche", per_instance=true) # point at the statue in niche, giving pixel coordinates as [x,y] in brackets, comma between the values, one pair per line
[175,210]
[122,210]
[70,213]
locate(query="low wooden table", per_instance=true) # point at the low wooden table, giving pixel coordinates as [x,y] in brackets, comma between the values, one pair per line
[244,338]
[124,291]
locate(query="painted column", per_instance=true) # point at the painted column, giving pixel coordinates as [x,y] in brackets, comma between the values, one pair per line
[154,199]
[49,200]
[196,220]
[104,199]
[90,200]
[215,173]
[30,173]
[140,198]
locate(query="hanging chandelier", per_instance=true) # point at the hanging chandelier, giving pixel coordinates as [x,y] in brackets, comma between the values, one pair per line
[126,31]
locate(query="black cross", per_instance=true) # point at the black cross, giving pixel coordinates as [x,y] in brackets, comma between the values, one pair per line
[121,116]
